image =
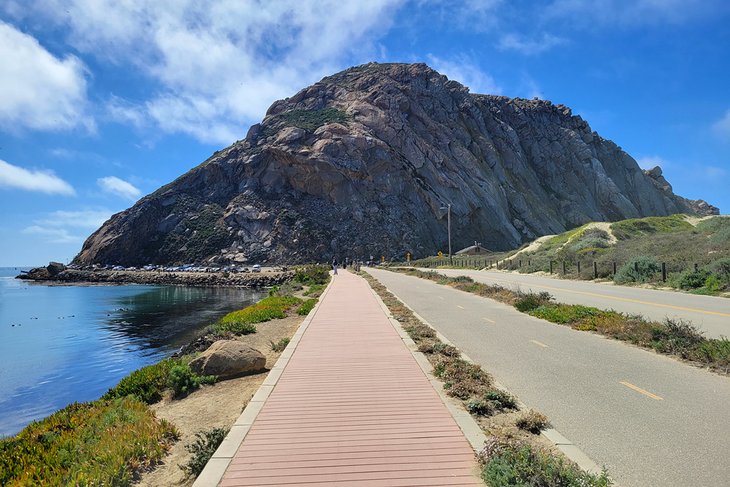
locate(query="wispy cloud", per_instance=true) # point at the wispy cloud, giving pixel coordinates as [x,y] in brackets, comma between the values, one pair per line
[63,226]
[43,181]
[722,126]
[52,235]
[38,90]
[650,162]
[87,218]
[634,13]
[119,187]
[466,72]
[218,66]
[527,46]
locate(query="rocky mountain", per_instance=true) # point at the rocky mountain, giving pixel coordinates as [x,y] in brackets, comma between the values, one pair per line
[366,161]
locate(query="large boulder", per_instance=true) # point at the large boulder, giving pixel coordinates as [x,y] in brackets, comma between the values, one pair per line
[55,268]
[228,358]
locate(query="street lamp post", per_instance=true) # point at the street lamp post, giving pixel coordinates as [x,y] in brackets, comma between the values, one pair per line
[448,225]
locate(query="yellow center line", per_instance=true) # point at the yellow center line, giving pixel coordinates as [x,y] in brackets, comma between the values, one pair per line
[487,319]
[459,306]
[539,344]
[641,391]
[628,300]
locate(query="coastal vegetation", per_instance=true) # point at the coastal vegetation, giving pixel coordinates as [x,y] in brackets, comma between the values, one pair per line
[202,449]
[512,455]
[243,321]
[104,442]
[695,253]
[115,439]
[672,337]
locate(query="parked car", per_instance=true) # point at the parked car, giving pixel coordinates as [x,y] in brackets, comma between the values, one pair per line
[256,268]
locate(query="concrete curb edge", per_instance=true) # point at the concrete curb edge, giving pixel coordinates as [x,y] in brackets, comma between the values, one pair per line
[570,450]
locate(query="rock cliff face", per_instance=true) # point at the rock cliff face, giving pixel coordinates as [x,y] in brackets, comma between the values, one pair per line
[365,162]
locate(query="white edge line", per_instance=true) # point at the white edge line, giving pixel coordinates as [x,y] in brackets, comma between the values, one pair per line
[567,447]
[216,467]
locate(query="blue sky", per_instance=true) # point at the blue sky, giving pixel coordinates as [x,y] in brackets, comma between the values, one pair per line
[102,102]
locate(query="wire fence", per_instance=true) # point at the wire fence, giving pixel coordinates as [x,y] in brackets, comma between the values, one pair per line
[577,269]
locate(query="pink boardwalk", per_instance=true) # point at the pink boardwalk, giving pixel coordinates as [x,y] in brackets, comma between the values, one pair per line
[352,407]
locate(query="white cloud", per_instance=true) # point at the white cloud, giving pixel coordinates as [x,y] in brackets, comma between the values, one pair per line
[88,218]
[650,162]
[722,126]
[529,47]
[43,181]
[62,226]
[38,90]
[466,72]
[119,187]
[52,235]
[632,13]
[218,65]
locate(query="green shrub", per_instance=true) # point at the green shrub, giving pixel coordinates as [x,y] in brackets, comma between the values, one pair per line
[183,381]
[501,400]
[721,268]
[713,283]
[528,302]
[146,384]
[202,449]
[280,345]
[98,443]
[693,279]
[480,407]
[306,307]
[312,275]
[241,322]
[532,421]
[315,290]
[523,466]
[637,227]
[311,120]
[565,313]
[640,269]
[676,337]
[714,352]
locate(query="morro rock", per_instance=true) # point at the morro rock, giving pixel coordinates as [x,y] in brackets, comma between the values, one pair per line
[365,162]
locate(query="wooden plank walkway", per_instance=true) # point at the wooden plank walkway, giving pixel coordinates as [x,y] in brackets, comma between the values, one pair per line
[352,407]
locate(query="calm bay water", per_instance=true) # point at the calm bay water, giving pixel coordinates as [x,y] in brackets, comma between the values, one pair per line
[60,344]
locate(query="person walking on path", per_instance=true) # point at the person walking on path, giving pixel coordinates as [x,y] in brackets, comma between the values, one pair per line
[334,265]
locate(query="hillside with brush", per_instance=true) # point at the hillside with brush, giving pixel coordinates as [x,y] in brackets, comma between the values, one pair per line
[695,252]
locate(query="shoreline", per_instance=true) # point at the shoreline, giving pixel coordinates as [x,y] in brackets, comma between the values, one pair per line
[212,279]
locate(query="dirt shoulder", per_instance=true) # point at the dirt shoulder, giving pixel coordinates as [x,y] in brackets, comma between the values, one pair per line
[214,406]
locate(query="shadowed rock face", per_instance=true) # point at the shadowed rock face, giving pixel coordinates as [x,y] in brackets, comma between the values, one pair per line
[362,164]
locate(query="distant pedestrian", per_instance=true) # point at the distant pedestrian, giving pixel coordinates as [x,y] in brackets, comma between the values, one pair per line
[334,266]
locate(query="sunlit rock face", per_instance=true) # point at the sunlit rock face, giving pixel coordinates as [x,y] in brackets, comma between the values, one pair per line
[364,163]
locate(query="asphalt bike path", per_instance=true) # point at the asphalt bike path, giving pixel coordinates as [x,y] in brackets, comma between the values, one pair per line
[650,419]
[710,314]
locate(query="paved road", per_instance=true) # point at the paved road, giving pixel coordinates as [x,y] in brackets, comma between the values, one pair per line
[711,314]
[651,420]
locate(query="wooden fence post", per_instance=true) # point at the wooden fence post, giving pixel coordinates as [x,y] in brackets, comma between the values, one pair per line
[664,272]
[595,270]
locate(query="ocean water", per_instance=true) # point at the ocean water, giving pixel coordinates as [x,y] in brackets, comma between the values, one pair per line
[65,343]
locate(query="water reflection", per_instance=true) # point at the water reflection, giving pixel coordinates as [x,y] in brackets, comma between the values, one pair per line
[60,344]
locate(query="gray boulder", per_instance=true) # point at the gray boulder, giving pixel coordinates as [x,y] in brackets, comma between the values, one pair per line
[228,358]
